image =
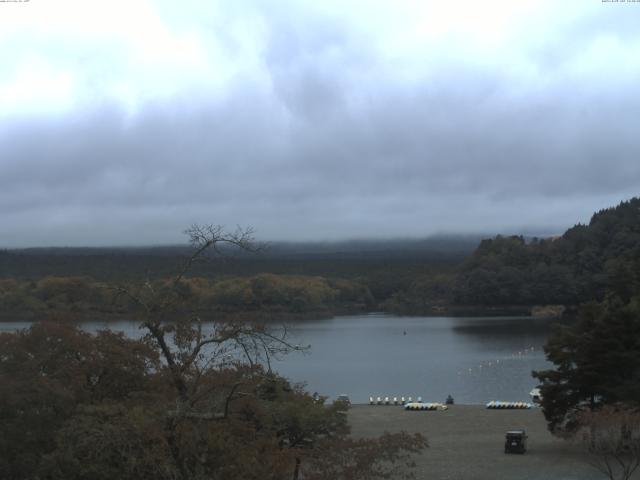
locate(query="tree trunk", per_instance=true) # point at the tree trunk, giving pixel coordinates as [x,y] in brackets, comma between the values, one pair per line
[296,471]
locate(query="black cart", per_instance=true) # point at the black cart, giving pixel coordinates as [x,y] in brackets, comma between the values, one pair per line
[515,441]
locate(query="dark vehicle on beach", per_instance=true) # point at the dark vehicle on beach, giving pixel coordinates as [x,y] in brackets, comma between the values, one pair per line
[515,441]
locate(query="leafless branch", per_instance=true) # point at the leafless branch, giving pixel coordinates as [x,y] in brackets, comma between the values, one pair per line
[611,436]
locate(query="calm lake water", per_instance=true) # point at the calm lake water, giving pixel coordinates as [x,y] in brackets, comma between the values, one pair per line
[473,359]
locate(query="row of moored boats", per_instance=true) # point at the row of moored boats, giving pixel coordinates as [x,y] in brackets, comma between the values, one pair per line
[392,400]
[508,405]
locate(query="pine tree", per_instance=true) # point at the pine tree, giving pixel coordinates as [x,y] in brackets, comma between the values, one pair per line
[597,363]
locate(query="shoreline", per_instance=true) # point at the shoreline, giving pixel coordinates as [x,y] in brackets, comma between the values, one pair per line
[284,316]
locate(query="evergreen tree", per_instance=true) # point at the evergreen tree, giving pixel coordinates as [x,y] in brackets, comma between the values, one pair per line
[597,363]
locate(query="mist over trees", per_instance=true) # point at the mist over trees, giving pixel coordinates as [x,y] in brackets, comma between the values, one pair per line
[413,277]
[320,279]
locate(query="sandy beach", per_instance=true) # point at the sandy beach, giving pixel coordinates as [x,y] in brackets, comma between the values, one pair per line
[466,442]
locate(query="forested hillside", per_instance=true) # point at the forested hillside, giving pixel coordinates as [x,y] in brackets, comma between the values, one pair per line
[438,275]
[579,266]
[595,380]
[300,279]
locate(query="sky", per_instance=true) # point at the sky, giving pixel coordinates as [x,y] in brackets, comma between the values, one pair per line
[124,122]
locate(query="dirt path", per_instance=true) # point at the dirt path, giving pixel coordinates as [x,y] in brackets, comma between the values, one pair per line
[467,443]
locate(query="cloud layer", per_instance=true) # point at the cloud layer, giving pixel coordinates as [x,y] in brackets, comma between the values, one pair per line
[124,125]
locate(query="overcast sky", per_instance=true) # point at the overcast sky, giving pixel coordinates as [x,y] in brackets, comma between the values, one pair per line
[123,122]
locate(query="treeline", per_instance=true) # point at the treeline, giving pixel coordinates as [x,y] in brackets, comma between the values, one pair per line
[332,260]
[265,293]
[302,279]
[594,382]
[510,274]
[506,274]
[577,267]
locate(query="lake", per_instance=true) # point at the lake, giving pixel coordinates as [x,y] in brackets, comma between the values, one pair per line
[474,359]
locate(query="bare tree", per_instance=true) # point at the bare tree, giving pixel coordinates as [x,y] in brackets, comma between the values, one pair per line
[191,348]
[218,373]
[611,437]
[186,344]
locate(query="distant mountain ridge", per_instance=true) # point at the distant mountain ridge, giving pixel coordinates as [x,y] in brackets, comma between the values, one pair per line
[339,259]
[434,243]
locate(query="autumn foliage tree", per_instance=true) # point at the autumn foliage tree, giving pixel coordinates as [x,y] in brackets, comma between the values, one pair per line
[47,372]
[191,399]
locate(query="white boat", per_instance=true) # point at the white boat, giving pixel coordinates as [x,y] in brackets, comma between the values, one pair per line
[536,396]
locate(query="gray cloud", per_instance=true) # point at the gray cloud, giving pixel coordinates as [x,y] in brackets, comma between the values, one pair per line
[321,135]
